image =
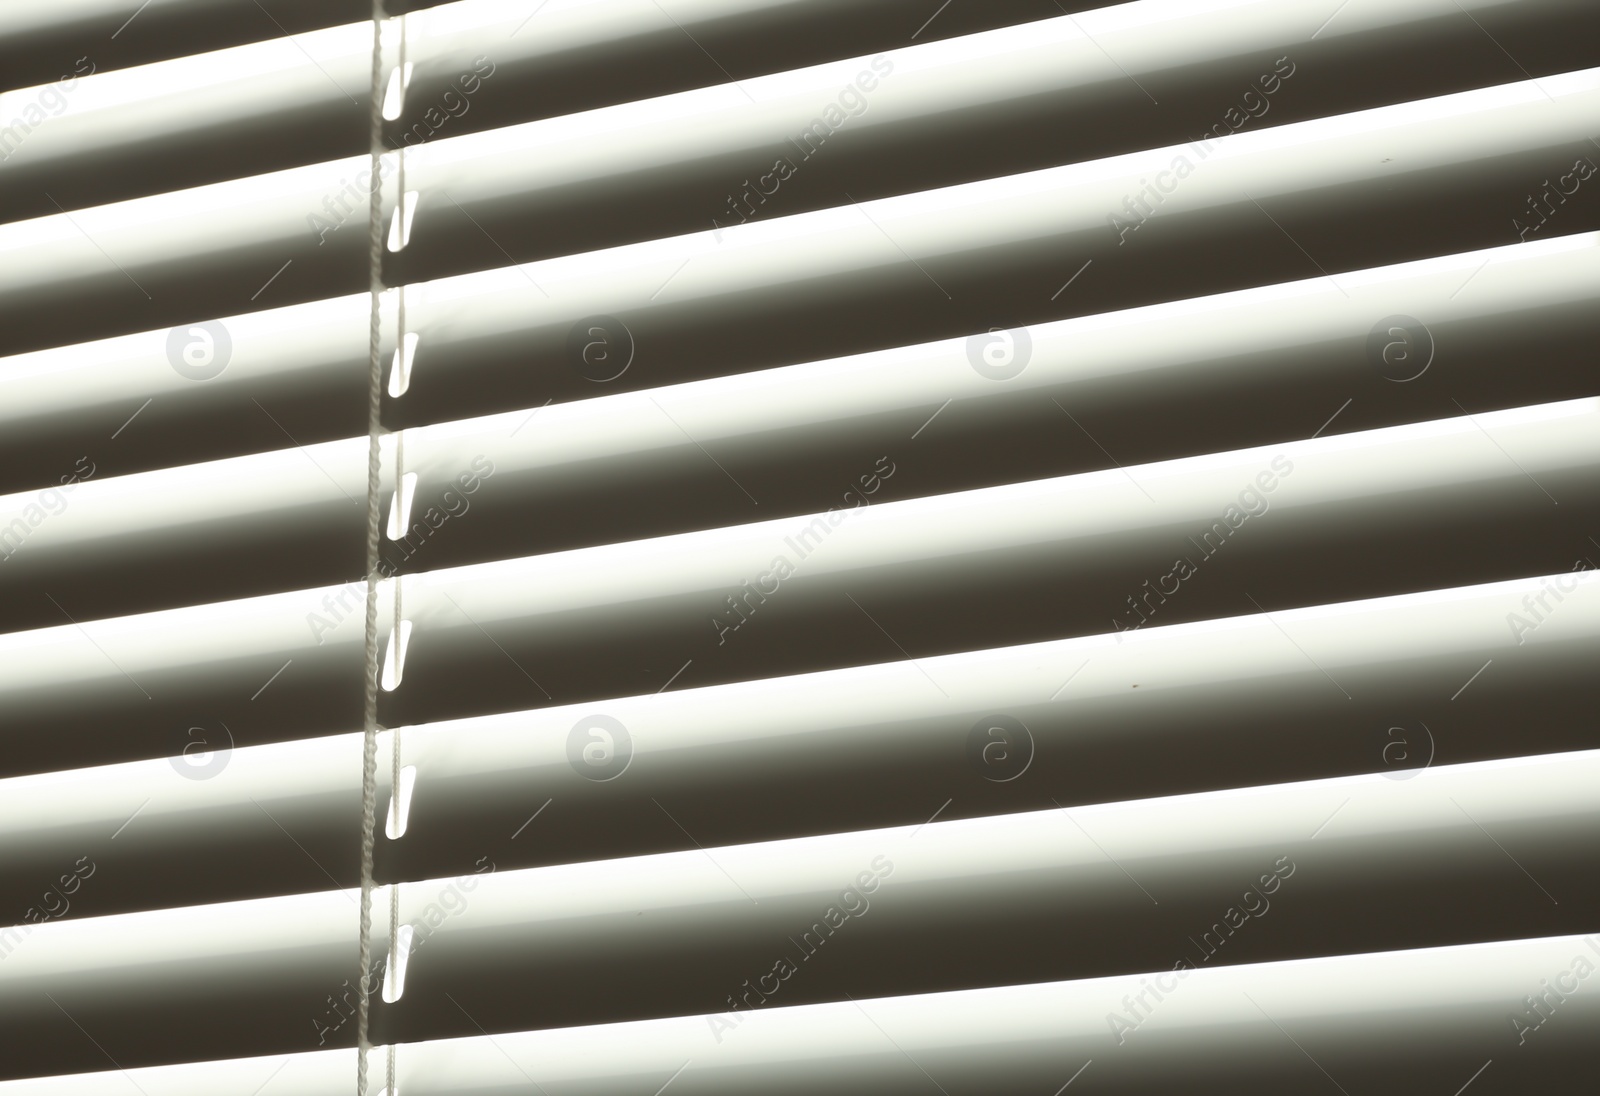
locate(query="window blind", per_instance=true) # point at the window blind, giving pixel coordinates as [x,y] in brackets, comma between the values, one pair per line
[975,548]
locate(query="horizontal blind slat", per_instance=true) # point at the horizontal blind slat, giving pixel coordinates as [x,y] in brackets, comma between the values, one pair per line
[910,422]
[197,254]
[1445,1013]
[1163,710]
[1417,565]
[1368,863]
[1336,518]
[475,65]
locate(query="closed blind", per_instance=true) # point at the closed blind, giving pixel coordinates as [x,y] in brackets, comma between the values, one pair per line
[985,548]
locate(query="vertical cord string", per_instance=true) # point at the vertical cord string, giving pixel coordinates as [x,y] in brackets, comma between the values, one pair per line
[397,643]
[369,756]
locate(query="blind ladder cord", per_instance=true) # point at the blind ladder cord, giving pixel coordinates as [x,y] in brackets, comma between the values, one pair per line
[374,461]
